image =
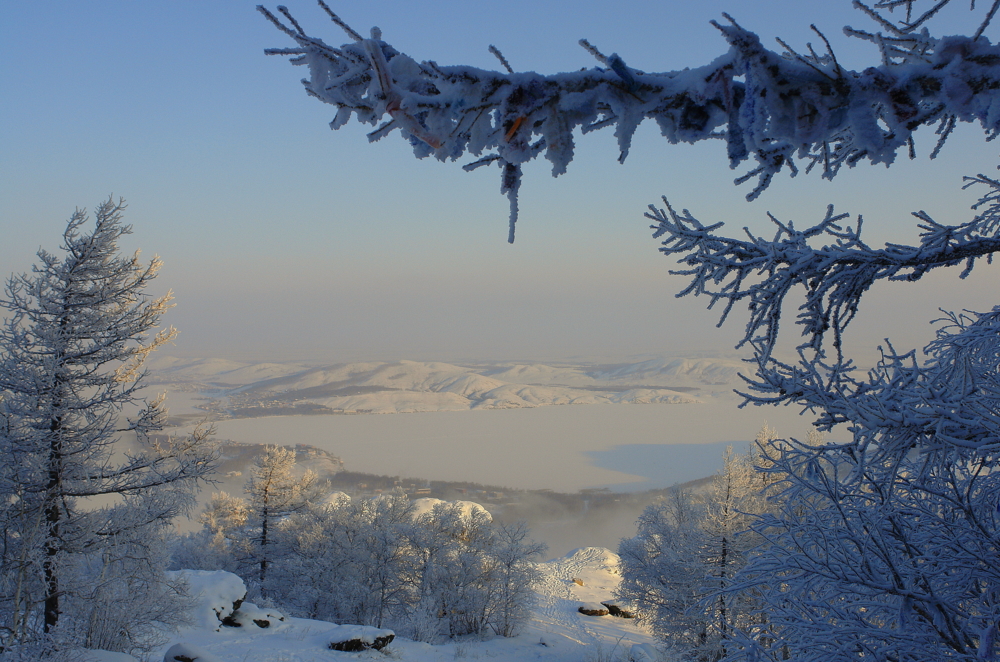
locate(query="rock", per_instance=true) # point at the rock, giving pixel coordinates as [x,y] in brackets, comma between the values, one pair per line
[644,653]
[354,638]
[247,614]
[188,653]
[615,610]
[355,645]
[91,655]
[593,609]
[218,595]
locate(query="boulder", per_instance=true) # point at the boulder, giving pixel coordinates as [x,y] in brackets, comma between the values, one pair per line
[188,653]
[593,609]
[247,614]
[217,595]
[354,638]
[615,610]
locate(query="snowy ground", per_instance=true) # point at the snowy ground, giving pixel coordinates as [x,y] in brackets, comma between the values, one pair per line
[557,633]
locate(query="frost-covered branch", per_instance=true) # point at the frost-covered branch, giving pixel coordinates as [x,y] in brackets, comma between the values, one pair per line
[764,271]
[773,106]
[887,555]
[950,401]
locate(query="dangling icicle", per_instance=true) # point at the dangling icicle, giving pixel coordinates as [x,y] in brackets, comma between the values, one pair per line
[511,184]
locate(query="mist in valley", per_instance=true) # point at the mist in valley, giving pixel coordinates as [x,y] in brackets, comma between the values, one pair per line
[576,450]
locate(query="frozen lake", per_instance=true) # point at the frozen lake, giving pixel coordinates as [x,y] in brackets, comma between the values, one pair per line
[565,448]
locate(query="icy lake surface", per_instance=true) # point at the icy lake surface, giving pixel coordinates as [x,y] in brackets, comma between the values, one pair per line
[564,448]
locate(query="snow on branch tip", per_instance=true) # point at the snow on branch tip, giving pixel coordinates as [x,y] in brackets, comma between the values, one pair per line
[776,108]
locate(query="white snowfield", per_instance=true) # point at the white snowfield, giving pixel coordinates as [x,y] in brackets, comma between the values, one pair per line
[557,633]
[414,386]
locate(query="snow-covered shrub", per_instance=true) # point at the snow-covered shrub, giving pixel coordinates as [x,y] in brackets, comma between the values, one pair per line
[132,604]
[679,567]
[474,575]
[514,573]
[347,562]
[427,568]
[452,544]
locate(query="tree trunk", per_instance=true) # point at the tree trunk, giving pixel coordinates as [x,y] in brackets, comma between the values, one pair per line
[53,519]
[263,550]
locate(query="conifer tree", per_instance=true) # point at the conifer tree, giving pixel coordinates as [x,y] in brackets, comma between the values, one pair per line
[274,492]
[680,568]
[76,333]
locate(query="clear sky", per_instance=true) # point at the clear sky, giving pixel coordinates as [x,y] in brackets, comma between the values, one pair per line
[284,240]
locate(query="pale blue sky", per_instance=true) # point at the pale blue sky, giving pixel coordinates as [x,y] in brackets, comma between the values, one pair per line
[284,240]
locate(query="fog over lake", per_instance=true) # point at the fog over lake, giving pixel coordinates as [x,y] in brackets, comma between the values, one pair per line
[565,448]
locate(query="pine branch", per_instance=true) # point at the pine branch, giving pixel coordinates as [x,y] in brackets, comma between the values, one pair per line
[771,108]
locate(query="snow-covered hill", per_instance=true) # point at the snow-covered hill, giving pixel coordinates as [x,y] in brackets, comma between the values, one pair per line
[243,389]
[675,370]
[170,370]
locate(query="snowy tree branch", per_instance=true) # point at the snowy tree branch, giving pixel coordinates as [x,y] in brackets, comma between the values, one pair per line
[835,275]
[948,402]
[774,107]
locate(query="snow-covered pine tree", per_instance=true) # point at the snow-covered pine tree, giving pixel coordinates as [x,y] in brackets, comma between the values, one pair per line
[72,489]
[247,535]
[679,568]
[274,492]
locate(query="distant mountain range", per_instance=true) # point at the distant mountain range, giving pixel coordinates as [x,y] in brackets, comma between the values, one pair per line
[234,389]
